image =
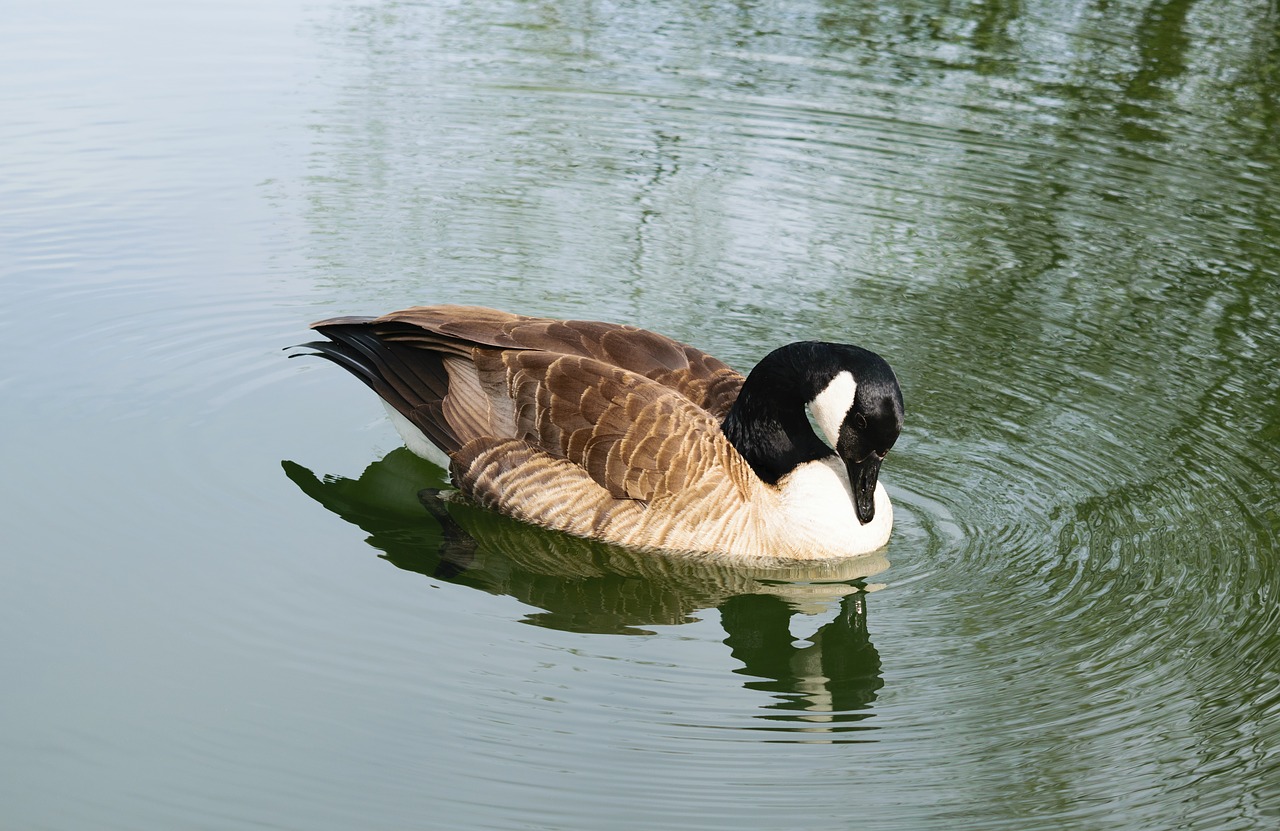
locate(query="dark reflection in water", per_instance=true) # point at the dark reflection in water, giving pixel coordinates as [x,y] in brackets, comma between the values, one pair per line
[585,586]
[833,678]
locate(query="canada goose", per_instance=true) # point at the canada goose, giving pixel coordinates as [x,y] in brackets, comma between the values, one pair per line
[616,433]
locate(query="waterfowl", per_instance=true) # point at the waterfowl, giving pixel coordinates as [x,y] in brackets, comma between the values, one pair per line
[612,432]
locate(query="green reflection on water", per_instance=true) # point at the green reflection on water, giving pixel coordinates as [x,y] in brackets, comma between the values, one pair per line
[584,586]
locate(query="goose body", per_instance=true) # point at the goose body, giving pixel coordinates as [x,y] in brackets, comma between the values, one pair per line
[616,433]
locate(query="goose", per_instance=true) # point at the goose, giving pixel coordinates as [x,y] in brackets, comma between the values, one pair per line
[616,433]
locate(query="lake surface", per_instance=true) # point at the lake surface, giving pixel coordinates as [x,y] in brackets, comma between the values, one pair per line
[222,604]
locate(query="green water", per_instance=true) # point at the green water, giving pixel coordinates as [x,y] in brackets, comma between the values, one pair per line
[223,605]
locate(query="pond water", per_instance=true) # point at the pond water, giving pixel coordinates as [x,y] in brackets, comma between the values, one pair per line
[222,604]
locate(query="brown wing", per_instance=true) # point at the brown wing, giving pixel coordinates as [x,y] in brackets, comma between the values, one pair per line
[706,381]
[638,412]
[633,436]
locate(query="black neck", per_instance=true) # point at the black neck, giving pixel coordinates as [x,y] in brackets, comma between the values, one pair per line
[767,424]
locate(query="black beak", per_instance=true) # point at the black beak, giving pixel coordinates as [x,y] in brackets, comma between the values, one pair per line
[862,477]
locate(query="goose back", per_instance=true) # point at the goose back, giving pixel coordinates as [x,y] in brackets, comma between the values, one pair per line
[705,380]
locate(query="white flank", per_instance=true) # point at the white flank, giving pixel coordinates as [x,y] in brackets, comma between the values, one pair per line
[832,404]
[416,440]
[818,503]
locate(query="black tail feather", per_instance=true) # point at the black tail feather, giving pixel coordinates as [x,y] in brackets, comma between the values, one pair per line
[410,378]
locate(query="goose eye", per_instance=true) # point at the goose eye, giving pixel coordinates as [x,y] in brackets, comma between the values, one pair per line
[860,421]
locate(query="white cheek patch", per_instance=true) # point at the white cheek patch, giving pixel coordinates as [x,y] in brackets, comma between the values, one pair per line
[832,404]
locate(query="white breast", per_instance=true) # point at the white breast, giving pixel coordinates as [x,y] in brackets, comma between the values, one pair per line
[817,505]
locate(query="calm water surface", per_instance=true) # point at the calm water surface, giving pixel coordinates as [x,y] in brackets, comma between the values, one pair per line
[222,604]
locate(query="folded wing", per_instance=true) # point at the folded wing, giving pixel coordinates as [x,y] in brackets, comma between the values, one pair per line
[637,412]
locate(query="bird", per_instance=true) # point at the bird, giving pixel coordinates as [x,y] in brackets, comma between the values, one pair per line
[615,433]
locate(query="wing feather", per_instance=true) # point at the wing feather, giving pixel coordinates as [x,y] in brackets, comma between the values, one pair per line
[638,412]
[702,378]
[637,438]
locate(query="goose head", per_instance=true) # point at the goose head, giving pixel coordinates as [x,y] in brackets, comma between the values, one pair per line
[853,396]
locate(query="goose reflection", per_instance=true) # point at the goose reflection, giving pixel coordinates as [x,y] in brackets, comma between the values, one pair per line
[826,681]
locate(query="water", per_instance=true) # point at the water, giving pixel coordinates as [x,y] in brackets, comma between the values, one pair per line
[1057,221]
